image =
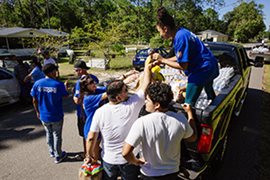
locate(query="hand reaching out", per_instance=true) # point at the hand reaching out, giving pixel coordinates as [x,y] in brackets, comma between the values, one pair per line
[157,57]
[187,107]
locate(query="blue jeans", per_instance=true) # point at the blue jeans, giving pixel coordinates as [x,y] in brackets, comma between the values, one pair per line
[54,137]
[126,171]
[193,92]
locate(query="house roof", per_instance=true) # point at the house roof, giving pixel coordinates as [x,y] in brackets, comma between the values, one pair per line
[53,32]
[212,32]
[6,32]
[29,32]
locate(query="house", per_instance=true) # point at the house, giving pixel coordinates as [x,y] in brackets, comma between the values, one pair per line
[211,35]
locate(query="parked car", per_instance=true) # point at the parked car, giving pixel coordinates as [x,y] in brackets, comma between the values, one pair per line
[64,51]
[141,55]
[9,87]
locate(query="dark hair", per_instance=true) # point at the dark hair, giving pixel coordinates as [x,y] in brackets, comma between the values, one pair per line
[164,18]
[160,93]
[84,81]
[114,88]
[36,62]
[48,68]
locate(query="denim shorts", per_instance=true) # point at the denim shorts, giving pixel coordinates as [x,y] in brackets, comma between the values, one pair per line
[126,171]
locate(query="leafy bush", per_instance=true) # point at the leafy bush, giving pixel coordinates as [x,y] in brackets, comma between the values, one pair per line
[157,41]
[117,48]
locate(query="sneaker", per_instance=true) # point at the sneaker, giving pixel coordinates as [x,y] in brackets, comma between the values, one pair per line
[79,157]
[52,155]
[60,159]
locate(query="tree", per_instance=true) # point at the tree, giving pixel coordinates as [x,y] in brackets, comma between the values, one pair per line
[211,20]
[245,22]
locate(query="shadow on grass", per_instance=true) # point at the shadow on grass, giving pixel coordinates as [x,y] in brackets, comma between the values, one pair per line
[63,60]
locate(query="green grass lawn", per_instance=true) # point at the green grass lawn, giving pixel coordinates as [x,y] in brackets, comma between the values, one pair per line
[117,65]
[266,79]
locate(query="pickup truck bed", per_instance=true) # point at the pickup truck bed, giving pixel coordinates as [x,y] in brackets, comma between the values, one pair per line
[198,158]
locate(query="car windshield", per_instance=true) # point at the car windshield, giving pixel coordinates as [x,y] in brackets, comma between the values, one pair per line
[143,52]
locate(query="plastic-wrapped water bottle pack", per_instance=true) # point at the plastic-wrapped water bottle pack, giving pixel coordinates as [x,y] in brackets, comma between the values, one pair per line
[175,79]
[223,79]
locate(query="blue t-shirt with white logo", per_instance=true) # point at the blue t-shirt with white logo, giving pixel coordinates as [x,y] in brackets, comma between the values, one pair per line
[91,103]
[49,93]
[202,65]
[77,93]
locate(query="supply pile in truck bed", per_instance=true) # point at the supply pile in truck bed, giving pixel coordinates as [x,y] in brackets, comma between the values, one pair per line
[178,80]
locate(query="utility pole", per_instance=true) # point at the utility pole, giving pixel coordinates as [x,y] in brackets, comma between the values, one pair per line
[48,13]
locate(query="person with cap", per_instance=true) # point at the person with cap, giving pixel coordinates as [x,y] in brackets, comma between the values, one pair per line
[81,70]
[192,56]
[47,96]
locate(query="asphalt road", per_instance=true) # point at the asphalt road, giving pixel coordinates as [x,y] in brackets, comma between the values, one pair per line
[24,154]
[23,149]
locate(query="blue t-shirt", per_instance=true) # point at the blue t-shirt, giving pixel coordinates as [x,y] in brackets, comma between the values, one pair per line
[90,104]
[77,94]
[49,93]
[37,74]
[202,65]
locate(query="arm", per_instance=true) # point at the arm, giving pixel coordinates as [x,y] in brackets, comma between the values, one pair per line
[127,74]
[172,62]
[26,79]
[66,89]
[35,104]
[129,156]
[191,121]
[78,95]
[173,59]
[66,84]
[104,96]
[146,76]
[77,100]
[91,144]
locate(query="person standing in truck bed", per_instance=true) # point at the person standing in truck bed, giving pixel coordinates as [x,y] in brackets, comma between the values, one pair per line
[193,57]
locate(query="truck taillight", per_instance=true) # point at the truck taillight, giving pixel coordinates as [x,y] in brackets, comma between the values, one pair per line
[205,140]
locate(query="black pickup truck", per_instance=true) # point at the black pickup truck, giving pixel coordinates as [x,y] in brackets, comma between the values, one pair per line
[213,121]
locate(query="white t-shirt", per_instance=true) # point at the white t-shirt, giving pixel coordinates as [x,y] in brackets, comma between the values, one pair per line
[114,123]
[49,61]
[160,135]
